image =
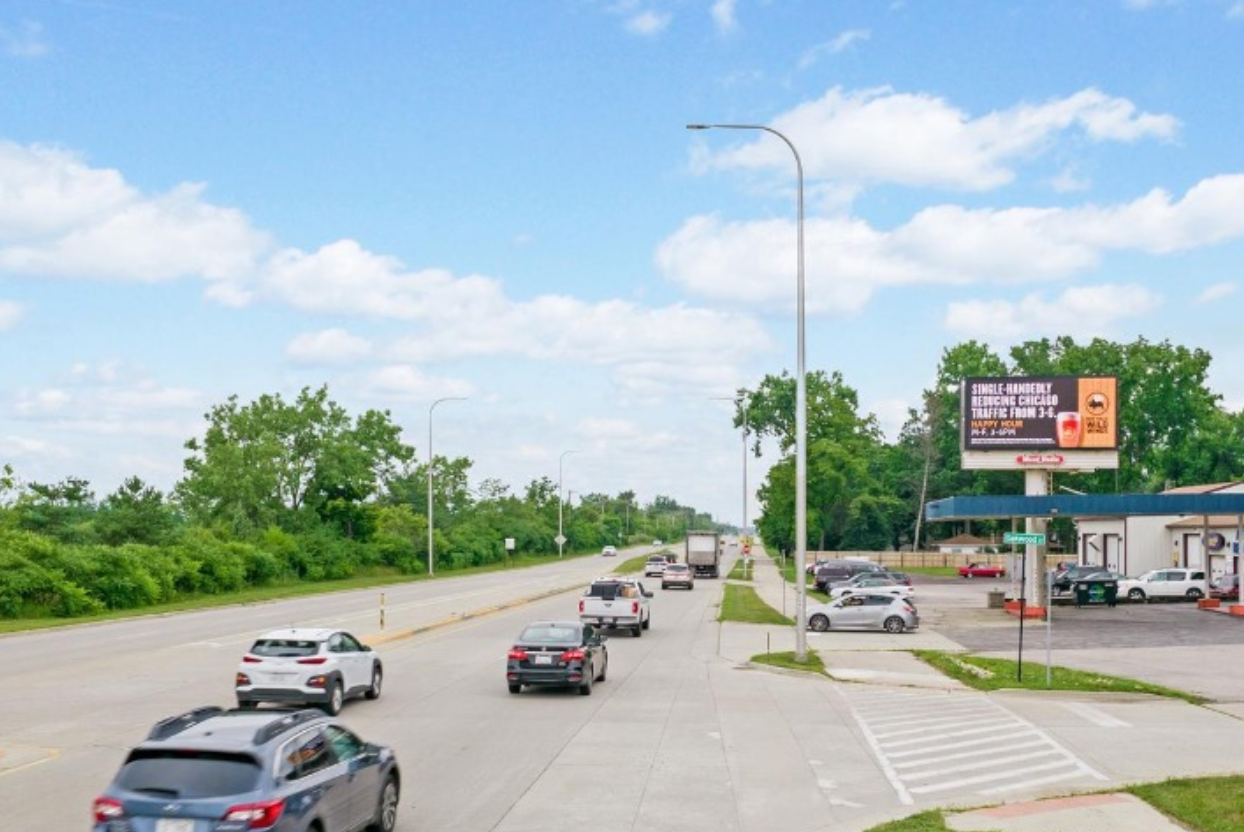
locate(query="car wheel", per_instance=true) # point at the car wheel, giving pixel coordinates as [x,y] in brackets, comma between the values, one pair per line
[377,680]
[386,810]
[515,687]
[665,586]
[336,698]
[819,623]
[585,688]
[894,624]
[1195,594]
[1136,595]
[637,630]
[247,705]
[648,623]
[604,668]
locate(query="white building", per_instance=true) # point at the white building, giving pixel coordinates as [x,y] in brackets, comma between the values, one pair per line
[1138,543]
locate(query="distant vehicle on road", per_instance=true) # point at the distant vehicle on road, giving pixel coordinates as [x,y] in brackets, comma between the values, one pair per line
[616,603]
[308,666]
[212,769]
[704,553]
[657,543]
[864,612]
[609,551]
[655,566]
[981,570]
[560,653]
[678,574]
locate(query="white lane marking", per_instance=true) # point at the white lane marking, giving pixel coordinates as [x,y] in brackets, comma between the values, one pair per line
[982,747]
[1095,716]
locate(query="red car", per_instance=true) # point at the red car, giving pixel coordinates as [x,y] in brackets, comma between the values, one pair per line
[981,570]
[1225,588]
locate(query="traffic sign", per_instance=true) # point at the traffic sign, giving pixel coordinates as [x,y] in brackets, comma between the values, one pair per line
[1029,538]
[560,540]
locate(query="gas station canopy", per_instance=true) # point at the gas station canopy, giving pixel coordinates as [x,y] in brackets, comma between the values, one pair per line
[1086,505]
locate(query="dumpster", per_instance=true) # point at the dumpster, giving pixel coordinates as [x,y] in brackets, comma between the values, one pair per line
[1096,591]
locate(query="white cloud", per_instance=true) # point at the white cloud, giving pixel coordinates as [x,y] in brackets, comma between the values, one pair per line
[10,313]
[839,44]
[328,346]
[723,12]
[847,260]
[647,23]
[1082,312]
[1216,293]
[407,382]
[26,42]
[61,218]
[922,141]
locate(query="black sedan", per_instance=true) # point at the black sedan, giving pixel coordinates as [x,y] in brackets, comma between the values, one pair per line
[561,653]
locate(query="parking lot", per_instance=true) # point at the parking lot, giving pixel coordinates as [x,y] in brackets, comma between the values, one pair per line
[1174,644]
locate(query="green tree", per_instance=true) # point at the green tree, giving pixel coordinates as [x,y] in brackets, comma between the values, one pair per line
[135,513]
[269,462]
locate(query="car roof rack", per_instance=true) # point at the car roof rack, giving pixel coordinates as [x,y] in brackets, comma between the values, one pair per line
[288,721]
[166,728]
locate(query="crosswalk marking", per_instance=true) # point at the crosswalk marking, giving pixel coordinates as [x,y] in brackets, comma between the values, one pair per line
[928,744]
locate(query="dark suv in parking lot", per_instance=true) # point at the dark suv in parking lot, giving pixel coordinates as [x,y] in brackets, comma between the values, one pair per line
[212,770]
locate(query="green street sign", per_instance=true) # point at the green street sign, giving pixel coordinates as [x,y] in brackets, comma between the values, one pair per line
[1025,538]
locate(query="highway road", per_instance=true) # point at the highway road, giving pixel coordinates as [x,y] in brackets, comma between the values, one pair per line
[684,734]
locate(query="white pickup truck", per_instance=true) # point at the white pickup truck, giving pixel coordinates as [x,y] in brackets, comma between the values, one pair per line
[617,603]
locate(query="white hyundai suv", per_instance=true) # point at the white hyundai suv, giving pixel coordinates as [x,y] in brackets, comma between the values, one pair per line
[1165,583]
[308,666]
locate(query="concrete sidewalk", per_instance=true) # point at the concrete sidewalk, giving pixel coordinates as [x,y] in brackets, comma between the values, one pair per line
[882,658]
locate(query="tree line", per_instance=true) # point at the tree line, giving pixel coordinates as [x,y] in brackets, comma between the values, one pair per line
[279,492]
[284,492]
[866,493]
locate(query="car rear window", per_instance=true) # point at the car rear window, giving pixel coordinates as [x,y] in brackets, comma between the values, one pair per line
[285,647]
[546,634]
[608,591]
[189,774]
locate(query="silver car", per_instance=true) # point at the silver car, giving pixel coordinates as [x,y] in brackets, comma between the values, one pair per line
[864,612]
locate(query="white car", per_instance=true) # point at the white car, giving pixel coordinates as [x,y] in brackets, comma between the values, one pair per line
[308,666]
[871,586]
[655,566]
[1189,584]
[609,551]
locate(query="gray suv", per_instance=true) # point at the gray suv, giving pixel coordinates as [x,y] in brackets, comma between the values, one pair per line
[212,770]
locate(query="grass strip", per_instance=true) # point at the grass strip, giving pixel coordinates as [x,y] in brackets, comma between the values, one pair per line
[1003,674]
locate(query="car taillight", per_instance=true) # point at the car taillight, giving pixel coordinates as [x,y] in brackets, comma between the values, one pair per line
[635,607]
[106,809]
[581,605]
[256,815]
[313,660]
[242,679]
[248,659]
[518,653]
[575,655]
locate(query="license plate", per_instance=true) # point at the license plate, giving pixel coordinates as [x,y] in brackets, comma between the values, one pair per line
[544,660]
[174,825]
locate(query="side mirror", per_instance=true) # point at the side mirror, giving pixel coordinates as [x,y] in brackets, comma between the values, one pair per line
[647,593]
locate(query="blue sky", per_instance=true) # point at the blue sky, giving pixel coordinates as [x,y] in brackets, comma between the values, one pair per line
[499,200]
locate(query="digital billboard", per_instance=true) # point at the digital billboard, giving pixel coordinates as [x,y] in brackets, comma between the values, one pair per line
[1050,413]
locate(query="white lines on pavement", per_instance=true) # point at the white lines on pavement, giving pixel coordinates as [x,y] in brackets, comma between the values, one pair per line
[1095,716]
[928,743]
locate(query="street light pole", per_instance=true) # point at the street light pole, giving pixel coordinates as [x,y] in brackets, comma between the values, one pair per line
[431,559]
[801,408]
[561,538]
